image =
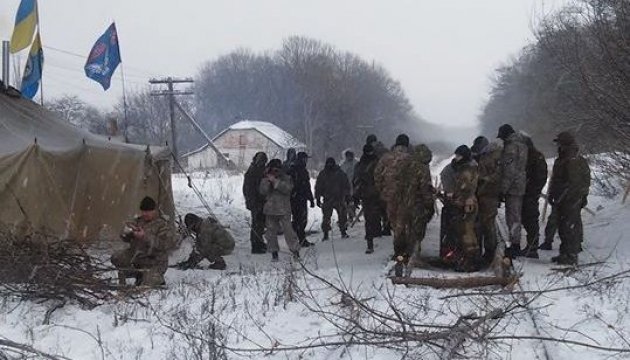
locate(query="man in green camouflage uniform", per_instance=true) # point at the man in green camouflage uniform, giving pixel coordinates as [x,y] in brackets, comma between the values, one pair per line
[568,192]
[149,238]
[387,183]
[465,208]
[212,242]
[488,157]
[417,203]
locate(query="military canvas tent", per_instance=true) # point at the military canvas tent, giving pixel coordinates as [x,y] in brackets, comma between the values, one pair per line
[69,182]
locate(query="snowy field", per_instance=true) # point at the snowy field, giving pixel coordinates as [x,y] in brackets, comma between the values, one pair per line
[260,310]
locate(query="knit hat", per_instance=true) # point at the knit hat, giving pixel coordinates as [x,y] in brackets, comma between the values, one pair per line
[464,152]
[479,144]
[505,131]
[147,204]
[402,140]
[275,164]
[330,162]
[371,138]
[191,219]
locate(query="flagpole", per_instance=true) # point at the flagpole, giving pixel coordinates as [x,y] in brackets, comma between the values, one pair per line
[41,44]
[122,76]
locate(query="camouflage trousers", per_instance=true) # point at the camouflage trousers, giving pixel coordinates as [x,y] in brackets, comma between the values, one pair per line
[148,270]
[409,231]
[211,250]
[570,227]
[466,234]
[488,211]
[327,210]
[274,224]
[530,216]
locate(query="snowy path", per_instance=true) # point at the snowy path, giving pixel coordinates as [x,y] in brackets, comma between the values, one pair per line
[250,303]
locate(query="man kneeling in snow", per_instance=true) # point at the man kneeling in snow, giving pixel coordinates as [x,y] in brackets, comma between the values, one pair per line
[212,242]
[146,258]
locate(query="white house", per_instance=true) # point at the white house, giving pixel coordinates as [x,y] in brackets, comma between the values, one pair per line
[241,141]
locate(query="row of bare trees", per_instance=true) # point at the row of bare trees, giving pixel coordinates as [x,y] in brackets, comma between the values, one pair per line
[328,98]
[576,76]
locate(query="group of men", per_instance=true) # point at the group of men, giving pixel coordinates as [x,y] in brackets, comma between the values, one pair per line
[394,189]
[474,185]
[278,195]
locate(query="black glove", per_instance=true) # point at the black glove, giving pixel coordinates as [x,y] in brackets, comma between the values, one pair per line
[319,202]
[312,204]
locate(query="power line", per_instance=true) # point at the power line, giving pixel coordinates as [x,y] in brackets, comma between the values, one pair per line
[171,93]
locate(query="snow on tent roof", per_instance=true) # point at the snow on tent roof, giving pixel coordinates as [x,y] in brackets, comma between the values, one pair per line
[274,133]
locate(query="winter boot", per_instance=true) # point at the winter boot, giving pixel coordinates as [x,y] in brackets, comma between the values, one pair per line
[274,256]
[399,266]
[513,251]
[325,236]
[344,234]
[218,264]
[370,246]
[306,243]
[259,248]
[532,254]
[296,254]
[546,245]
[557,259]
[568,260]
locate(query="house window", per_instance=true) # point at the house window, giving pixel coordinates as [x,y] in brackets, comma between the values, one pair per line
[242,140]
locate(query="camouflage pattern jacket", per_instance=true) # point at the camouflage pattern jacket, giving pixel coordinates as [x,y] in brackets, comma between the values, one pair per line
[212,234]
[570,180]
[278,196]
[489,160]
[416,192]
[386,172]
[513,165]
[157,237]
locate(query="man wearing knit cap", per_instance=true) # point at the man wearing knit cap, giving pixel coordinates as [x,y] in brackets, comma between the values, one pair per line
[388,182]
[149,239]
[513,183]
[568,192]
[366,194]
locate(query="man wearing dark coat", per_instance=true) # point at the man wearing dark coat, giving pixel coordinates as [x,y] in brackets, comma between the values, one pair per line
[255,201]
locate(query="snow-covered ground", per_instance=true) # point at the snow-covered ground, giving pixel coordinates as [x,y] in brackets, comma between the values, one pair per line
[258,304]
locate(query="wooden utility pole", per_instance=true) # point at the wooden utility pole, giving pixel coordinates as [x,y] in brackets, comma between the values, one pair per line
[171,93]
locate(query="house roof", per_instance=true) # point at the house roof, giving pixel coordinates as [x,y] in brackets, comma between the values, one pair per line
[269,130]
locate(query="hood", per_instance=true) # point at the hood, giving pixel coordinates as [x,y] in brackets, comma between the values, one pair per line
[422,153]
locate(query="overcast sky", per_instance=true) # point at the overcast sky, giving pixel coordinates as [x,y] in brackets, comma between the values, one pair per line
[442,51]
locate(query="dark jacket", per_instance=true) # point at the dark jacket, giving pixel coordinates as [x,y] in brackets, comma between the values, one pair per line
[363,181]
[254,200]
[301,182]
[570,180]
[332,184]
[536,172]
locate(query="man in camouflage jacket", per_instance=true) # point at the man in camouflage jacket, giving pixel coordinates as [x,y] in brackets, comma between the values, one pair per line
[149,237]
[568,192]
[212,242]
[513,182]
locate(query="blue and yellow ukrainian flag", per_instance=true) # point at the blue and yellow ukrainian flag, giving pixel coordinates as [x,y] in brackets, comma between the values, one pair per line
[33,71]
[25,22]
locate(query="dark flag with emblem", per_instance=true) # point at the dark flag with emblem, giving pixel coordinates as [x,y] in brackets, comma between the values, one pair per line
[104,58]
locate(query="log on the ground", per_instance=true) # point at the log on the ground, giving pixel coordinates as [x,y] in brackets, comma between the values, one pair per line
[456,283]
